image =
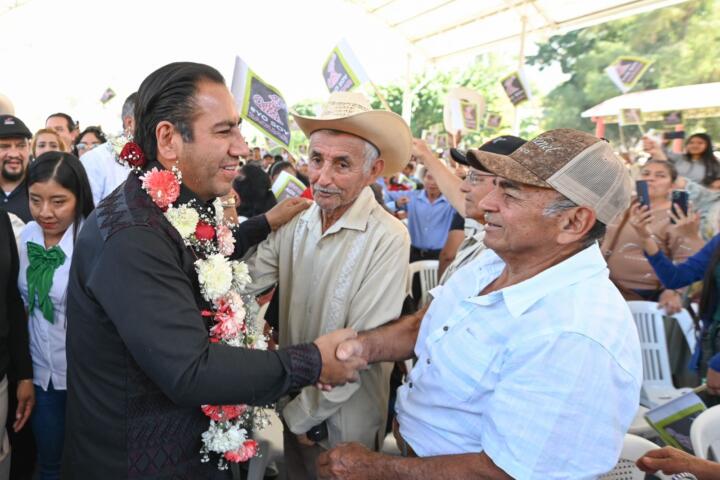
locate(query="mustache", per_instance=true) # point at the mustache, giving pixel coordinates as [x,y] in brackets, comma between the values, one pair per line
[329,191]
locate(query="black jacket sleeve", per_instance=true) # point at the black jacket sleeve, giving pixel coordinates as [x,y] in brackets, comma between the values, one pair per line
[143,289]
[19,344]
[249,233]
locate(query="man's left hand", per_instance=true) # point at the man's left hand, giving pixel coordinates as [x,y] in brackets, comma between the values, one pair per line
[348,461]
[285,211]
[26,402]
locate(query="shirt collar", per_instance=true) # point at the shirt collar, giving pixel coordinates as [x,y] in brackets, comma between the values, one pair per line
[424,197]
[355,218]
[587,263]
[66,243]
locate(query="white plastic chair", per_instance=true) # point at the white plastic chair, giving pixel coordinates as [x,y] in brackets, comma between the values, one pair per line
[633,448]
[705,434]
[657,387]
[427,270]
[687,326]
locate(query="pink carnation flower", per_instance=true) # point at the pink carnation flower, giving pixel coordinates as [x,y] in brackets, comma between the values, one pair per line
[162,186]
[226,240]
[243,454]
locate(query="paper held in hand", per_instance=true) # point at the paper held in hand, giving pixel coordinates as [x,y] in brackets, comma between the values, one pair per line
[672,420]
[260,104]
[287,186]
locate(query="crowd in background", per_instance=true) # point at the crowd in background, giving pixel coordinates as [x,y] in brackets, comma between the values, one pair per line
[50,186]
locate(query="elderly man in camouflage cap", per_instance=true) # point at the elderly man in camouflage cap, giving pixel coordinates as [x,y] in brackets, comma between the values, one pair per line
[528,359]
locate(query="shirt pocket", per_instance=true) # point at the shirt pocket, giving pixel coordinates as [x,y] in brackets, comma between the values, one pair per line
[465,364]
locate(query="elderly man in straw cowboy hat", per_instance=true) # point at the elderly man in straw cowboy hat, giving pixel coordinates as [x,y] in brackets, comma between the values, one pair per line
[341,263]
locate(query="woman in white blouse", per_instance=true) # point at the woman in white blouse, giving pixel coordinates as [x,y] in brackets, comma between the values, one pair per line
[60,199]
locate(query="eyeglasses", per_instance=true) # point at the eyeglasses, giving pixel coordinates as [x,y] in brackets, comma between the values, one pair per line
[86,146]
[473,177]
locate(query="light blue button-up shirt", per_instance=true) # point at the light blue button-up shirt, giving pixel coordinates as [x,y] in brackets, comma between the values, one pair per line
[543,376]
[428,222]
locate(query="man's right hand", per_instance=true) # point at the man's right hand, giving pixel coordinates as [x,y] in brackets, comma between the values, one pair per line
[335,371]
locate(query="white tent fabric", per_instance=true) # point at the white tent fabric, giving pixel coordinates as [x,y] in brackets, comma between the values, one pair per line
[439,29]
[695,101]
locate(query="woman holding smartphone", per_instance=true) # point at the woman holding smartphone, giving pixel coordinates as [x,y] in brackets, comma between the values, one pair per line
[622,246]
[704,265]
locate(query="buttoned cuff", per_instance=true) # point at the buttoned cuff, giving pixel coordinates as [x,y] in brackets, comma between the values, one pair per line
[305,365]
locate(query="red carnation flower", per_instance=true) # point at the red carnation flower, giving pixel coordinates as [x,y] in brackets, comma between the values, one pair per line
[133,155]
[248,450]
[204,231]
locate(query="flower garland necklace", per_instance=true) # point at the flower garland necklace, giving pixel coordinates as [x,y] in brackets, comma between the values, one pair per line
[222,283]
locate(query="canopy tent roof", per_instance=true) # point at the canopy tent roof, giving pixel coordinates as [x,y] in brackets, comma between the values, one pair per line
[440,29]
[695,101]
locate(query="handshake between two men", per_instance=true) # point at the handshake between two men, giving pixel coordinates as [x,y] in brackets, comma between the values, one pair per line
[342,358]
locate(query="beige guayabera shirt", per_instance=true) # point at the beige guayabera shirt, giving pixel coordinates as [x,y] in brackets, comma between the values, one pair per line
[353,275]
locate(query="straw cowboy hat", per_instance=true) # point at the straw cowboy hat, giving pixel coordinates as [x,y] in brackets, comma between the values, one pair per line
[350,112]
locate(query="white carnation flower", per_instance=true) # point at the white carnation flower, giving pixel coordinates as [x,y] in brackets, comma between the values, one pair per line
[219,439]
[241,274]
[219,216]
[184,219]
[215,274]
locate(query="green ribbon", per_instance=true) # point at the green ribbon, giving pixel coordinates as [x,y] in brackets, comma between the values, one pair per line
[40,273]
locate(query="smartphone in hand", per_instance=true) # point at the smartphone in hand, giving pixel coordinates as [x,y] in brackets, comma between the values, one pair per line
[679,198]
[643,195]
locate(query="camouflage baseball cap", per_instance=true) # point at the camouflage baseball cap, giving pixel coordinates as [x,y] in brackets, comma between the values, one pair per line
[576,164]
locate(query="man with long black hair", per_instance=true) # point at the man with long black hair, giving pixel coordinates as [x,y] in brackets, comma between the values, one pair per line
[140,360]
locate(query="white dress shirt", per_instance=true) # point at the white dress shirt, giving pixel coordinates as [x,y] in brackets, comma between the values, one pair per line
[47,340]
[543,376]
[103,170]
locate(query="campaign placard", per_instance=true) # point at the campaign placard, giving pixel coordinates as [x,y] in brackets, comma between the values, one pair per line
[626,71]
[631,116]
[469,115]
[493,120]
[107,95]
[342,71]
[515,88]
[260,103]
[672,118]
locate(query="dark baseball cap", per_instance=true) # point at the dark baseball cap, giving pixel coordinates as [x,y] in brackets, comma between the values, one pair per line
[502,145]
[13,127]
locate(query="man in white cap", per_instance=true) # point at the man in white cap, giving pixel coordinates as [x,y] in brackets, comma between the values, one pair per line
[342,263]
[529,363]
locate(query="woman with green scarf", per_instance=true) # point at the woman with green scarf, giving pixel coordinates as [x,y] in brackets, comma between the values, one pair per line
[60,199]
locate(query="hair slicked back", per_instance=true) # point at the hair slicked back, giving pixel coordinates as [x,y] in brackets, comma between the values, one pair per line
[168,94]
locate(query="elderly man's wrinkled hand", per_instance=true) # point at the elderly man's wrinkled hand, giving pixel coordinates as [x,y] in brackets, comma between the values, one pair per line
[285,211]
[334,371]
[667,460]
[348,461]
[421,151]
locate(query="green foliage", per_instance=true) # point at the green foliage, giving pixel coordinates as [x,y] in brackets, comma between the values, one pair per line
[682,40]
[483,75]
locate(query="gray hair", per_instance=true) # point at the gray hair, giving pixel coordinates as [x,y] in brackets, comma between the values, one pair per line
[371,154]
[562,203]
[128,108]
[370,151]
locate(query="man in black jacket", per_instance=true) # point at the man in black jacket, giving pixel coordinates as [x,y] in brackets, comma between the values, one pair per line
[140,362]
